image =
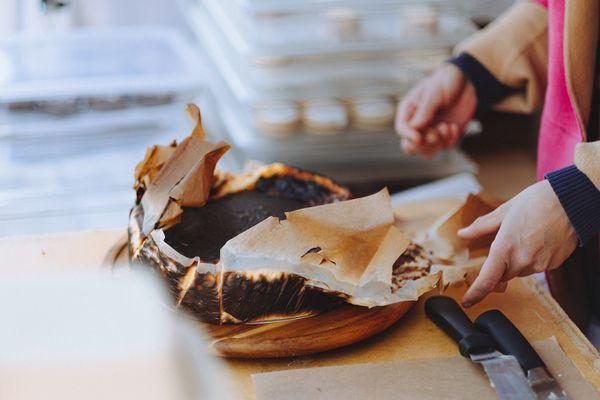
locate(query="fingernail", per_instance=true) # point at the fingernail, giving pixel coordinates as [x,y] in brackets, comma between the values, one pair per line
[430,137]
[467,304]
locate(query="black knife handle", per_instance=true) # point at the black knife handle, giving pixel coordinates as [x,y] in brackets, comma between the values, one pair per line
[448,316]
[508,338]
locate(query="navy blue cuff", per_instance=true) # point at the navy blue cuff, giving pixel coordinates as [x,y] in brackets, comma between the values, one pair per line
[580,198]
[489,90]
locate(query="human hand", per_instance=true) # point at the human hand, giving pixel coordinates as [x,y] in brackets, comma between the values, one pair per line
[435,112]
[534,235]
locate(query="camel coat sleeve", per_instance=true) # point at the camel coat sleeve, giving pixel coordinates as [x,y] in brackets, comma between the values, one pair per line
[514,48]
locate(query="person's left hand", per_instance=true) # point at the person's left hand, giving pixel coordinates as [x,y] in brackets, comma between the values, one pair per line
[534,235]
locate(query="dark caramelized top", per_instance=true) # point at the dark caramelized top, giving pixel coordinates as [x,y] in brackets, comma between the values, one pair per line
[204,230]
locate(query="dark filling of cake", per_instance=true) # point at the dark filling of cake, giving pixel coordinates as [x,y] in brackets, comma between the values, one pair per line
[203,231]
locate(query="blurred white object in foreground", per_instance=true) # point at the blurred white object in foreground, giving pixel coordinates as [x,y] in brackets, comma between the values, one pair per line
[100,337]
[456,186]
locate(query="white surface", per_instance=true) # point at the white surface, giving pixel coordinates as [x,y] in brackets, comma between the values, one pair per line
[456,186]
[96,337]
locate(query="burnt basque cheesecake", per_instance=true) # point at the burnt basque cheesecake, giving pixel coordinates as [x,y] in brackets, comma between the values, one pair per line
[183,246]
[201,232]
[217,296]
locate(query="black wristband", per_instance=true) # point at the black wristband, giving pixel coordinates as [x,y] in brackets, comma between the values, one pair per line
[489,90]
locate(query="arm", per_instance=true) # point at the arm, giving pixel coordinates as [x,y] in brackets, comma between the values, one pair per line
[540,227]
[578,190]
[510,55]
[507,61]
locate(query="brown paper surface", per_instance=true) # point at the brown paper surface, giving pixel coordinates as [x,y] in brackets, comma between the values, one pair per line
[424,379]
[186,177]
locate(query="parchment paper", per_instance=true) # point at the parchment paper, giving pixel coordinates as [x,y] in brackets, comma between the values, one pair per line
[424,379]
[185,178]
[147,170]
[349,247]
[442,237]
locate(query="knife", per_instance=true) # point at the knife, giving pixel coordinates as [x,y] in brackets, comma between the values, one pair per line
[511,341]
[505,374]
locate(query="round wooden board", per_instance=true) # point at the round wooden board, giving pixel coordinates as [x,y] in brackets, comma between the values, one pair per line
[343,326]
[340,327]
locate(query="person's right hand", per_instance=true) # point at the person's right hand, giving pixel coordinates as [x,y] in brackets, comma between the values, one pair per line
[435,112]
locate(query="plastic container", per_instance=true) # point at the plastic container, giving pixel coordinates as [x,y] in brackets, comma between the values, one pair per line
[338,26]
[314,120]
[331,74]
[62,74]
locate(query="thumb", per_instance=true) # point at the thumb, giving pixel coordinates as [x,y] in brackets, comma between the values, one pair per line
[483,225]
[425,112]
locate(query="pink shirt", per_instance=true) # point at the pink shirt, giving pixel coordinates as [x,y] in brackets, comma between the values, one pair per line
[559,128]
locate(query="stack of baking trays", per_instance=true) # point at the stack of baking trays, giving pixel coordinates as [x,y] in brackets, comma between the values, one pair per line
[77,111]
[315,83]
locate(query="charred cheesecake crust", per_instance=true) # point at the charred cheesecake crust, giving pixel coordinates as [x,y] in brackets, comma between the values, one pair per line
[267,297]
[218,296]
[413,264]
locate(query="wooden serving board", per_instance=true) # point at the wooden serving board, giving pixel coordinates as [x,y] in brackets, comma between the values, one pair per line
[340,327]
[337,328]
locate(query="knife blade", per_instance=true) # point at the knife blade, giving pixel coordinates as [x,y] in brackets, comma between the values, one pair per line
[511,341]
[505,374]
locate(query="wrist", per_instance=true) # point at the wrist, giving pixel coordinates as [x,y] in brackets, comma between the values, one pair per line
[488,89]
[580,200]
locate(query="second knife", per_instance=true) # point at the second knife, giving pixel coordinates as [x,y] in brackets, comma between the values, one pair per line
[511,341]
[504,371]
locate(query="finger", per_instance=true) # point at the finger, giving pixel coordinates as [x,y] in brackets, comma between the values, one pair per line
[454,134]
[407,132]
[409,147]
[432,137]
[444,136]
[432,142]
[483,225]
[406,110]
[425,112]
[489,277]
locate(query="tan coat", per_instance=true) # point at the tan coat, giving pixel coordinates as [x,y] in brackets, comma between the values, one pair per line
[514,49]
